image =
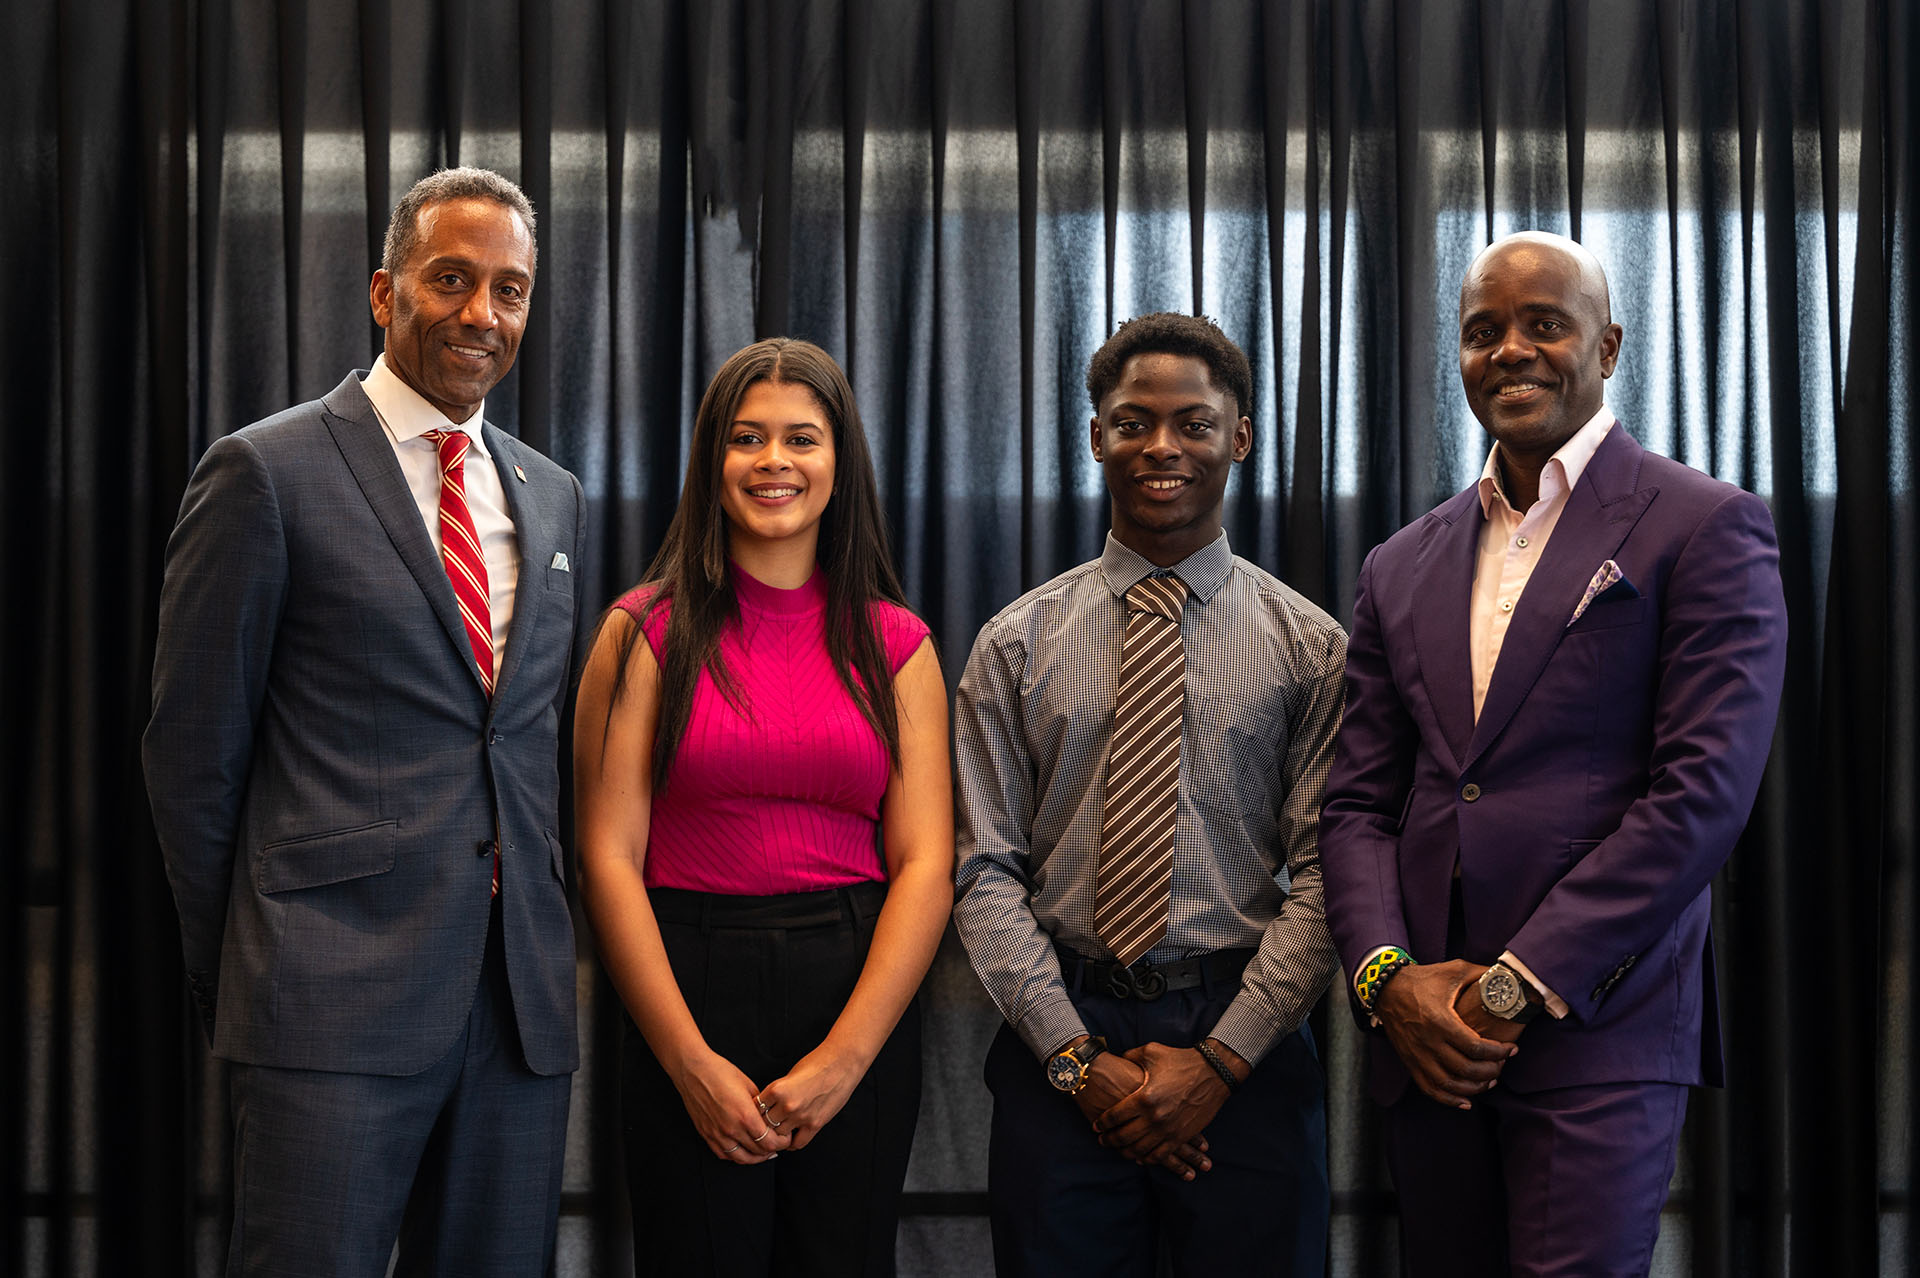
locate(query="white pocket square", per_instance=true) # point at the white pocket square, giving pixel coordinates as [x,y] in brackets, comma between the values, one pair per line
[560,561]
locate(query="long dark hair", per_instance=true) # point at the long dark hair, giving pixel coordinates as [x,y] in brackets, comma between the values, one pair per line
[690,572]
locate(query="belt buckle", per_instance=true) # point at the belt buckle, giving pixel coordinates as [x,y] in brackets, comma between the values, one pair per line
[1142,981]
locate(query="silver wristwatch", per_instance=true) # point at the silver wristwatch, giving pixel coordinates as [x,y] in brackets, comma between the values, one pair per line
[1504,995]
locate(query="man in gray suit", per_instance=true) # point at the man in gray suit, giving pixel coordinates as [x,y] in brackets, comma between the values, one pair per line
[367,633]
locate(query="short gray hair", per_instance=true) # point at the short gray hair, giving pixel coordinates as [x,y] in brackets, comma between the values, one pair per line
[403,229]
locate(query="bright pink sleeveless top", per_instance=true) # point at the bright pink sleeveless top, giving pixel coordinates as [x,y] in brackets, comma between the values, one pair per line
[786,797]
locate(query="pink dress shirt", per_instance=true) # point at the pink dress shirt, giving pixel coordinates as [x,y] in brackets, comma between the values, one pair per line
[1511,543]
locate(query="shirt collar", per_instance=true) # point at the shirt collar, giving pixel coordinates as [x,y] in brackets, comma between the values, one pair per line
[1203,572]
[407,415]
[1562,471]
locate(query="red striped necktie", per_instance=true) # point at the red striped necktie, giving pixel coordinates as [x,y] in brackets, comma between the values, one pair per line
[466,567]
[460,549]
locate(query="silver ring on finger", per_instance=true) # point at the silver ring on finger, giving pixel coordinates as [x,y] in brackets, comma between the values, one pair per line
[729,1149]
[762,1136]
[764,1107]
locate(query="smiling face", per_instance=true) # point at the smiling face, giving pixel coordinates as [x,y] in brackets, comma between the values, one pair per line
[454,311]
[1167,438]
[1536,343]
[776,471]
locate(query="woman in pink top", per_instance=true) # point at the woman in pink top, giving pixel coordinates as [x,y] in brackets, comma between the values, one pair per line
[766,840]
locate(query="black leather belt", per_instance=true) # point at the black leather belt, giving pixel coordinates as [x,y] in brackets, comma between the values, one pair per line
[1148,981]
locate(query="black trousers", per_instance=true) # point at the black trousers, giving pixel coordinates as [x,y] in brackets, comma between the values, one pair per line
[765,978]
[1062,1203]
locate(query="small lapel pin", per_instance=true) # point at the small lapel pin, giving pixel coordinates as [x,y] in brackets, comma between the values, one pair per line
[560,560]
[519,474]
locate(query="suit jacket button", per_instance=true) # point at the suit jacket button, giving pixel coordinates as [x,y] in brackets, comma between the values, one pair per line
[1469,792]
[486,847]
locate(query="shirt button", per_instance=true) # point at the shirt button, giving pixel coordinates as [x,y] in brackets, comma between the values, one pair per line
[1520,542]
[1469,792]
[1506,605]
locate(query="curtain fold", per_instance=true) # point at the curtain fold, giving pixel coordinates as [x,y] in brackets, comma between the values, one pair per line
[959,200]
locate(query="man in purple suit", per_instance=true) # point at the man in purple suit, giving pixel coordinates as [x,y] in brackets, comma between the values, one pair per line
[1561,690]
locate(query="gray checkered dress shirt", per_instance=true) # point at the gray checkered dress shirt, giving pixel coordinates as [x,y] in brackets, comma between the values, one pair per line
[1031,728]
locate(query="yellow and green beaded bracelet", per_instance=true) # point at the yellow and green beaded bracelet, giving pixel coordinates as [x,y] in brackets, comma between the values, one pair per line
[1367,982]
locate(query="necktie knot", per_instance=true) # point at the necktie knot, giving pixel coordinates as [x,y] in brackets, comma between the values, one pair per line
[1161,596]
[452,446]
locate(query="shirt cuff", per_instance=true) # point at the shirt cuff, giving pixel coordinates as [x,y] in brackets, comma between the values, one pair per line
[1250,1032]
[1556,1006]
[1049,1026]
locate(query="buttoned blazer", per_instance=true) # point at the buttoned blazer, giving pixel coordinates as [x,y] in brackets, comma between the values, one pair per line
[1612,769]
[326,772]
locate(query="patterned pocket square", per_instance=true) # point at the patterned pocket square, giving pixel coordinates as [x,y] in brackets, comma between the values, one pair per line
[1607,579]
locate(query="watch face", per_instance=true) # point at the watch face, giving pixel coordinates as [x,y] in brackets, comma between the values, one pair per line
[1500,991]
[1063,1071]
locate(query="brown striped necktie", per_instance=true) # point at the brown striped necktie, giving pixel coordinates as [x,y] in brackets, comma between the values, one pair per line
[1143,773]
[460,549]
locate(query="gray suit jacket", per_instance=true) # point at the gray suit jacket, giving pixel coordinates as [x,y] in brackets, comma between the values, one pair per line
[326,772]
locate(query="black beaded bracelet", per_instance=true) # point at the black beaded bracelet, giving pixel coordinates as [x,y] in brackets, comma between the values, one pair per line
[1219,1066]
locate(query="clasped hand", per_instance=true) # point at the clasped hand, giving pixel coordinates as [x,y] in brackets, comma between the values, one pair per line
[1453,1048]
[745,1124]
[725,1108]
[1150,1104]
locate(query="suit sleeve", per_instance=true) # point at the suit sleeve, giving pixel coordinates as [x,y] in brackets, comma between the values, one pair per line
[220,605]
[1722,656]
[1367,792]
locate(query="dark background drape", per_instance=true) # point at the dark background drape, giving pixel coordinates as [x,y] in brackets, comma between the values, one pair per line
[959,200]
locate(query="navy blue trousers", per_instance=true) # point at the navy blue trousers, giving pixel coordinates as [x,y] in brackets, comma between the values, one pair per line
[461,1162]
[1064,1204]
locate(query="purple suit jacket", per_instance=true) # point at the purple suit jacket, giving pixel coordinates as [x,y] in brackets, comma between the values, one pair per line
[1613,766]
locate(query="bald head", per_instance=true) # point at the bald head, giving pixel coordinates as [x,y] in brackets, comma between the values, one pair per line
[1502,253]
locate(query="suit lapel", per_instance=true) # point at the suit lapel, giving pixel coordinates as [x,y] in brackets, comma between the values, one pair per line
[1441,618]
[369,455]
[1601,510]
[533,533]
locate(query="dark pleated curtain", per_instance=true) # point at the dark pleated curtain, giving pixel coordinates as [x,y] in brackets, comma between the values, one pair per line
[960,200]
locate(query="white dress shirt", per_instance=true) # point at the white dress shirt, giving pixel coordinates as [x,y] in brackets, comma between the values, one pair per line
[407,416]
